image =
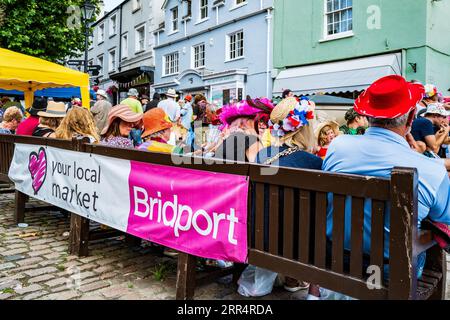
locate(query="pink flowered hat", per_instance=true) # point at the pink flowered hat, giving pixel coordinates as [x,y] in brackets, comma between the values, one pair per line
[254,108]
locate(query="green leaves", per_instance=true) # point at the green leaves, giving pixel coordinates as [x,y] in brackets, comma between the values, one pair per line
[40,28]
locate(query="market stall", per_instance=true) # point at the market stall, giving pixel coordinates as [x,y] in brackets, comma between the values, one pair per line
[29,74]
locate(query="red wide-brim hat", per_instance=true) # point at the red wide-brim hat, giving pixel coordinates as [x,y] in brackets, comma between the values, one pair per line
[389,98]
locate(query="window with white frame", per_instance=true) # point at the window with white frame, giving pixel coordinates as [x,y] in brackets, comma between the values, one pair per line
[91,42]
[189,9]
[137,4]
[198,53]
[100,63]
[235,45]
[125,46]
[112,60]
[140,39]
[113,25]
[171,63]
[338,17]
[174,17]
[203,9]
[101,33]
[239,2]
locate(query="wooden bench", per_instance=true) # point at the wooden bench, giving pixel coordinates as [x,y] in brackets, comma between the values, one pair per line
[296,223]
[287,223]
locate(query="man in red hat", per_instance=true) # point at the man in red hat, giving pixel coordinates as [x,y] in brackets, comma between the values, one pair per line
[390,106]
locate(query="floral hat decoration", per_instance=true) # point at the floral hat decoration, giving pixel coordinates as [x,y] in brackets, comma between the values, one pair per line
[430,91]
[300,112]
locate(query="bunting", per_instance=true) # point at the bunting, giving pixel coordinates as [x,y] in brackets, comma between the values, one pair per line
[135,81]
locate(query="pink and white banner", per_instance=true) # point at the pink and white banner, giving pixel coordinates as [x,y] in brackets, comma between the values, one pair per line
[197,212]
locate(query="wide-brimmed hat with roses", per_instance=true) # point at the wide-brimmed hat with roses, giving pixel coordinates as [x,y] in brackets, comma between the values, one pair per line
[290,115]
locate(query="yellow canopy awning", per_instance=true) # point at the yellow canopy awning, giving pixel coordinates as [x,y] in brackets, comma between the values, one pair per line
[28,74]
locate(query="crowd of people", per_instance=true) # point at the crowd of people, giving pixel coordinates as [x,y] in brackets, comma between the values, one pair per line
[393,123]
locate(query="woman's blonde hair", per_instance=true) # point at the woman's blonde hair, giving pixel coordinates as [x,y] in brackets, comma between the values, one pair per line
[12,113]
[79,121]
[323,128]
[303,138]
[323,135]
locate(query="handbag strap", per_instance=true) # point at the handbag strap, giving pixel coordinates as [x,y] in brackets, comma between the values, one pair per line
[281,154]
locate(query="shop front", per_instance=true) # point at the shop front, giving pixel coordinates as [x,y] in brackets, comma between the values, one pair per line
[345,78]
[138,78]
[220,88]
[226,88]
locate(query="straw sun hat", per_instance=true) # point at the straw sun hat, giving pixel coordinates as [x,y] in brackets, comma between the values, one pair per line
[171,93]
[282,109]
[54,110]
[124,113]
[290,115]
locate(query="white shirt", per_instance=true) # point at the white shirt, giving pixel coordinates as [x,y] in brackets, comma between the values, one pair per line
[171,108]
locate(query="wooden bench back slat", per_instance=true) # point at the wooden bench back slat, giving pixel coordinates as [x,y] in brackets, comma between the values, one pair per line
[3,157]
[403,215]
[377,236]
[304,226]
[320,250]
[337,264]
[6,155]
[273,219]
[10,148]
[259,219]
[288,224]
[2,161]
[252,215]
[356,254]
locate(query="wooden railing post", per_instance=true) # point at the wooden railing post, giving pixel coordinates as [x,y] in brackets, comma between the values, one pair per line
[6,155]
[79,236]
[186,276]
[19,207]
[79,226]
[403,231]
[132,241]
[436,261]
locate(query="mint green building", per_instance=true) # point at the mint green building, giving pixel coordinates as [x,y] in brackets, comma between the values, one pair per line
[341,46]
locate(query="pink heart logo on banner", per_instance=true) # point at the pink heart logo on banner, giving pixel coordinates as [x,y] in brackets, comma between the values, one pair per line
[38,169]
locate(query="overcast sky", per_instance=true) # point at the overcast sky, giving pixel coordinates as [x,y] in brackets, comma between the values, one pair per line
[111,4]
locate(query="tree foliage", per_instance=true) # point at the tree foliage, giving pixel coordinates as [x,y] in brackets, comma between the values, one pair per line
[48,29]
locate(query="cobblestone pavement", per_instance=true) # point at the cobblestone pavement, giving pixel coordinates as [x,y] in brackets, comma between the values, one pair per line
[34,264]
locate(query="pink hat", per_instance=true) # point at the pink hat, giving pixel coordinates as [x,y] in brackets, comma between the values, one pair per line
[246,108]
[124,113]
